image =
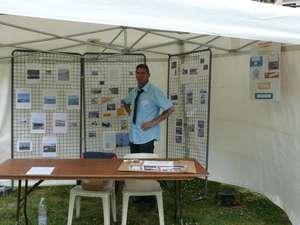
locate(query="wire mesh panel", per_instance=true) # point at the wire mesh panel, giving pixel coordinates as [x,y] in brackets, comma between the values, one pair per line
[189,90]
[46,109]
[108,78]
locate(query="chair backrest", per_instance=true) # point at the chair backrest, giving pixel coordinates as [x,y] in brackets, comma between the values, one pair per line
[99,155]
[141,156]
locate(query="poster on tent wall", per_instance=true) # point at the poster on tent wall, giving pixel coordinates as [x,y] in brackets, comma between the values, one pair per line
[265,72]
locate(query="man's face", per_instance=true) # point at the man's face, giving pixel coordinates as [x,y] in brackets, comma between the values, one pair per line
[142,77]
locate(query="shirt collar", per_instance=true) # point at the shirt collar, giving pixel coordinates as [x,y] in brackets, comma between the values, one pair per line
[146,87]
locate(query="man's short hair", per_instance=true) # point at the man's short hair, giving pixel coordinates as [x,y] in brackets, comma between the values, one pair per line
[143,66]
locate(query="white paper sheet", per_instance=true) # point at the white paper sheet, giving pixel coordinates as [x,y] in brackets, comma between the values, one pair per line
[24,145]
[73,99]
[49,146]
[158,163]
[33,74]
[38,123]
[109,140]
[23,98]
[63,74]
[49,99]
[60,123]
[114,75]
[40,171]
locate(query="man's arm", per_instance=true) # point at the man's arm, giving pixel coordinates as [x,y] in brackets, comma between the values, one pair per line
[164,115]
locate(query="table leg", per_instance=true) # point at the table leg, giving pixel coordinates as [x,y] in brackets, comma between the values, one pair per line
[19,202]
[25,202]
[178,202]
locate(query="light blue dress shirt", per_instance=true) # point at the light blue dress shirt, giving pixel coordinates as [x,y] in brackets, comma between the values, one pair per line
[150,102]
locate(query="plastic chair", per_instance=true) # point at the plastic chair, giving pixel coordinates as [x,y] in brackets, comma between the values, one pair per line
[107,193]
[142,188]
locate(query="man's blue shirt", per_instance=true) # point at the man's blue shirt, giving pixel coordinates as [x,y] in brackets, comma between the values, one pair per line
[150,102]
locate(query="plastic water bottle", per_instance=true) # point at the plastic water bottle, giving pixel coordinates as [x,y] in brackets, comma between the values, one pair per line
[42,220]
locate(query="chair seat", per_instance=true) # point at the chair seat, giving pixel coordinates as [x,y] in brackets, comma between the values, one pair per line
[77,190]
[141,186]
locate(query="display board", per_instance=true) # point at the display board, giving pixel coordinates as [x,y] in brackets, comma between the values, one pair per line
[108,78]
[46,105]
[189,83]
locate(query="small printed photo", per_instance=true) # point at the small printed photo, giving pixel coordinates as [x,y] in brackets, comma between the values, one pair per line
[131,73]
[93,114]
[200,133]
[101,82]
[178,130]
[256,61]
[122,139]
[49,100]
[33,74]
[23,99]
[178,139]
[63,75]
[202,60]
[124,124]
[179,122]
[60,123]
[205,67]
[38,121]
[203,96]
[189,97]
[114,91]
[174,97]
[111,107]
[184,71]
[96,91]
[94,73]
[273,63]
[24,146]
[193,71]
[271,74]
[106,124]
[38,126]
[173,65]
[200,123]
[92,134]
[49,146]
[73,100]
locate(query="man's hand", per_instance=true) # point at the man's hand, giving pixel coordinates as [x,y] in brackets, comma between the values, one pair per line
[147,125]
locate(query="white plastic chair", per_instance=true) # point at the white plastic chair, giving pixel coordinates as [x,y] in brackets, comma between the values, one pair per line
[107,195]
[142,188]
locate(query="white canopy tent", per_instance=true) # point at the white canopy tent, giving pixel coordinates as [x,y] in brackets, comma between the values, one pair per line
[252,144]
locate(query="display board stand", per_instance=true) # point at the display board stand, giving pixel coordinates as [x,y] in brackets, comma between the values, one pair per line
[46,105]
[108,78]
[189,85]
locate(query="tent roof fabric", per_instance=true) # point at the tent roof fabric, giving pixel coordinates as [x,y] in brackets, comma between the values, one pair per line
[236,18]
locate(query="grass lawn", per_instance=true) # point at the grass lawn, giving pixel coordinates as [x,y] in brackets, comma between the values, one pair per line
[252,208]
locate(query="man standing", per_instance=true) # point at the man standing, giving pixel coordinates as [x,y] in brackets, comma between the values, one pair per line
[144,103]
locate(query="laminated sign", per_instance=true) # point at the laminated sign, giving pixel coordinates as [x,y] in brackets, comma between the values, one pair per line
[265,73]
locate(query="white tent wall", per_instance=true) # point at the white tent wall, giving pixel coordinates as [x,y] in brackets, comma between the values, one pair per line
[5,112]
[255,144]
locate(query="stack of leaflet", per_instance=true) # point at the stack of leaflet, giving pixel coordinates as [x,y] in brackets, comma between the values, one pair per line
[158,166]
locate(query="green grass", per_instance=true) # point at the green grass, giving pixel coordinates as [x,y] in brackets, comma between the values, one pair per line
[252,208]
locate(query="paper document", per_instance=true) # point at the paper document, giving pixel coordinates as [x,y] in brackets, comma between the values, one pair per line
[40,171]
[158,163]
